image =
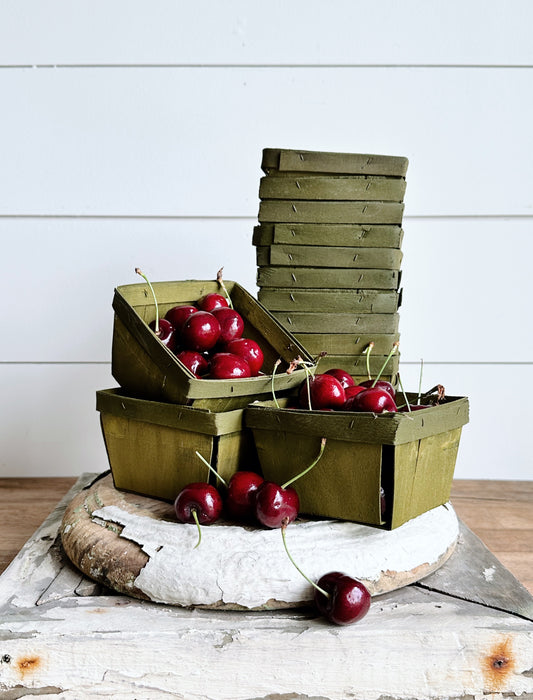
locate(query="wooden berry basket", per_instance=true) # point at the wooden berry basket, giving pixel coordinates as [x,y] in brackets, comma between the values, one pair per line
[330,300]
[144,367]
[411,456]
[326,256]
[280,161]
[327,278]
[363,235]
[313,322]
[151,445]
[333,187]
[326,212]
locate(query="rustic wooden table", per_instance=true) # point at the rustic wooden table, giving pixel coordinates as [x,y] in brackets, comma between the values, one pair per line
[465,631]
[499,512]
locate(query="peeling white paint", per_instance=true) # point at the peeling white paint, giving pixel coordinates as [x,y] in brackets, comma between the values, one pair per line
[248,566]
[489,573]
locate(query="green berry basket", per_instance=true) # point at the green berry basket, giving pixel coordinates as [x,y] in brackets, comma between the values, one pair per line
[357,301]
[325,256]
[146,368]
[281,161]
[327,278]
[333,187]
[151,445]
[354,235]
[411,456]
[326,212]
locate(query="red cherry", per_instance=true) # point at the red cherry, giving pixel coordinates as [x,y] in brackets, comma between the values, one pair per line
[343,376]
[348,600]
[352,391]
[177,315]
[200,498]
[212,301]
[250,351]
[166,332]
[372,400]
[275,504]
[225,365]
[194,361]
[325,390]
[240,497]
[200,331]
[231,323]
[380,384]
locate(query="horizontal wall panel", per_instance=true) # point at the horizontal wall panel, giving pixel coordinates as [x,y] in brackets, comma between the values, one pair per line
[188,141]
[496,443]
[39,441]
[240,31]
[52,427]
[61,274]
[466,282]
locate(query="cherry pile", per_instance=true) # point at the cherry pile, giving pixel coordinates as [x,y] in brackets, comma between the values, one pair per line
[207,337]
[249,498]
[336,389]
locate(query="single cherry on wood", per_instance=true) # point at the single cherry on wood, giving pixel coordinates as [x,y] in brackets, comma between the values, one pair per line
[198,503]
[343,599]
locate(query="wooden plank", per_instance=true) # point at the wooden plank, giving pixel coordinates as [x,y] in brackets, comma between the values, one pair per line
[43,649]
[185,34]
[49,109]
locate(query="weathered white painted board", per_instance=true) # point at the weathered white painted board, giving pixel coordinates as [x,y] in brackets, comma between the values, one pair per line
[187,141]
[466,282]
[413,643]
[240,31]
[38,441]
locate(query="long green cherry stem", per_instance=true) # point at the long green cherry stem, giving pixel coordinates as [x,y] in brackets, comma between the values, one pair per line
[211,469]
[391,353]
[195,516]
[291,481]
[276,365]
[145,278]
[367,352]
[284,524]
[420,380]
[221,283]
[404,394]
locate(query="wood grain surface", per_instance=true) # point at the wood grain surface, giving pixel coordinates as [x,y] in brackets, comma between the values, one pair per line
[499,512]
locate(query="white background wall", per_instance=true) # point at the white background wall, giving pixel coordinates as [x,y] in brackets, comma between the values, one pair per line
[131,134]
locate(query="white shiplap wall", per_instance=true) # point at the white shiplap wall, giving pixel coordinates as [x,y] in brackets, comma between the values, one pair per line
[131,134]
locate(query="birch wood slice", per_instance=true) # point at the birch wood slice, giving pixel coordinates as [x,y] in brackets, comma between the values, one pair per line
[134,545]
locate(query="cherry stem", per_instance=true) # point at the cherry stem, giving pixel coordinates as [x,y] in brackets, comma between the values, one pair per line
[195,516]
[276,365]
[221,283]
[404,394]
[318,588]
[420,381]
[211,469]
[391,353]
[308,383]
[367,352]
[291,481]
[319,357]
[145,278]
